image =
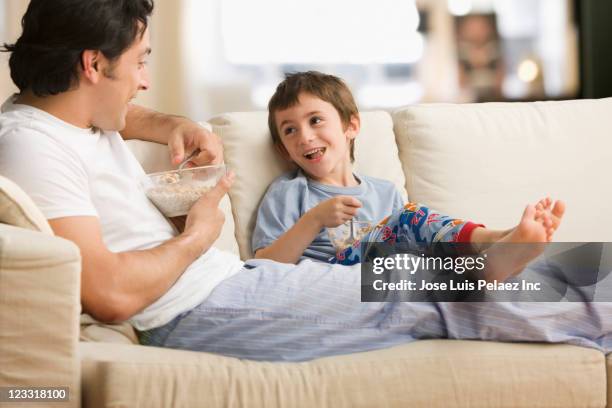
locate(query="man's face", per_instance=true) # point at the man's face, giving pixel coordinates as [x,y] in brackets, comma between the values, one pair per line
[120,83]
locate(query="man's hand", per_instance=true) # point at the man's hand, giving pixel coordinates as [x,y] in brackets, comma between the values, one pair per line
[335,211]
[183,136]
[187,137]
[205,219]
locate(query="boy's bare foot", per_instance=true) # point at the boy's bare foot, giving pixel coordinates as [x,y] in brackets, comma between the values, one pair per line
[555,211]
[534,226]
[509,256]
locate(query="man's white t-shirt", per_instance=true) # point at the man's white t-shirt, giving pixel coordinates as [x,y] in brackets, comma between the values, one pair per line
[70,171]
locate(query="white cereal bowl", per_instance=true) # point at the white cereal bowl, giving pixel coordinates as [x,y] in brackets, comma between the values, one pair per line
[174,192]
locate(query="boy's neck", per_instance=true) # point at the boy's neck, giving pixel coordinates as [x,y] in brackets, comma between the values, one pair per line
[346,179]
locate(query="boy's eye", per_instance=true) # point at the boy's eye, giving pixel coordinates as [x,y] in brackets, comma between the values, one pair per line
[315,120]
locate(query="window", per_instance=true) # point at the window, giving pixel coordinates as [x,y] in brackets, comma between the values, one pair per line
[390,52]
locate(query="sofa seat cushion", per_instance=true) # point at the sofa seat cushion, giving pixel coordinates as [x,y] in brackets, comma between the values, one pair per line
[94,330]
[425,373]
[250,153]
[485,162]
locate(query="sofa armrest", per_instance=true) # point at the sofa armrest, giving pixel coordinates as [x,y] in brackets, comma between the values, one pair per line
[39,311]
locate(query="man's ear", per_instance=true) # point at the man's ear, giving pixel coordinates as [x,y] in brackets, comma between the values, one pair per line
[91,61]
[353,127]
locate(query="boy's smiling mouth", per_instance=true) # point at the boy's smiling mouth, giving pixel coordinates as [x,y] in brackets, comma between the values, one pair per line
[315,153]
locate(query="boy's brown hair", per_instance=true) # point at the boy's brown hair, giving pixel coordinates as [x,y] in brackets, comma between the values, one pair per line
[329,88]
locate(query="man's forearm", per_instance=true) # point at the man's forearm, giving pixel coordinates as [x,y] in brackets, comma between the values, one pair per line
[182,135]
[147,124]
[127,282]
[152,272]
[116,285]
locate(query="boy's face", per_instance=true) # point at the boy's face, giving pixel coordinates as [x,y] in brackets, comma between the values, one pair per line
[314,137]
[120,83]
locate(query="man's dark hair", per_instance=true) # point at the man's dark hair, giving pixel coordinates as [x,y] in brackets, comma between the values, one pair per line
[326,87]
[47,56]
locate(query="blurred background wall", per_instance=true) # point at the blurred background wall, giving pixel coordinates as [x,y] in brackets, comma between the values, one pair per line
[213,56]
[10,27]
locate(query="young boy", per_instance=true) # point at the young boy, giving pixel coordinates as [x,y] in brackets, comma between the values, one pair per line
[314,120]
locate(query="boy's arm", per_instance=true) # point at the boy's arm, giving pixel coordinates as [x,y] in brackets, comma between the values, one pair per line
[290,246]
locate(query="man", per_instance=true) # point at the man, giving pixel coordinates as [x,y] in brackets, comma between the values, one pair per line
[77,73]
[77,65]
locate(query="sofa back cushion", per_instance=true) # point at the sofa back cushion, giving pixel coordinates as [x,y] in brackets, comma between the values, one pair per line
[250,154]
[18,209]
[485,162]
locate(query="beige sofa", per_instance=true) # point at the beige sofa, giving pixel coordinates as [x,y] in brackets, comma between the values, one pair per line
[483,162]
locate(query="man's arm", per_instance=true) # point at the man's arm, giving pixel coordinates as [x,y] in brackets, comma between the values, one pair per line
[183,136]
[115,286]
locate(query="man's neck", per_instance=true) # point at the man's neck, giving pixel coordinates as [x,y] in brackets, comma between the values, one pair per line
[67,106]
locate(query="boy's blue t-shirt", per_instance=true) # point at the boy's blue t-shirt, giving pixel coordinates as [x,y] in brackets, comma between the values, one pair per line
[291,195]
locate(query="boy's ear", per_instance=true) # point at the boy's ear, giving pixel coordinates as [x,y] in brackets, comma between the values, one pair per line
[282,151]
[353,127]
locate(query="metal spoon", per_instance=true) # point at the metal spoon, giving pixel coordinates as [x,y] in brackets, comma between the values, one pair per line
[186,160]
[351,238]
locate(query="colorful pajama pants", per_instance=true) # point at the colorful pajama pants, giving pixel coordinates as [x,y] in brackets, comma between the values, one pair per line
[415,224]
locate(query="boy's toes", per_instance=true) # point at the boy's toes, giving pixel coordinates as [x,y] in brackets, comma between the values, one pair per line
[558,209]
[529,213]
[544,204]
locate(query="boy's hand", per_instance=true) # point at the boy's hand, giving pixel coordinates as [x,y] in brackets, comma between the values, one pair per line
[335,211]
